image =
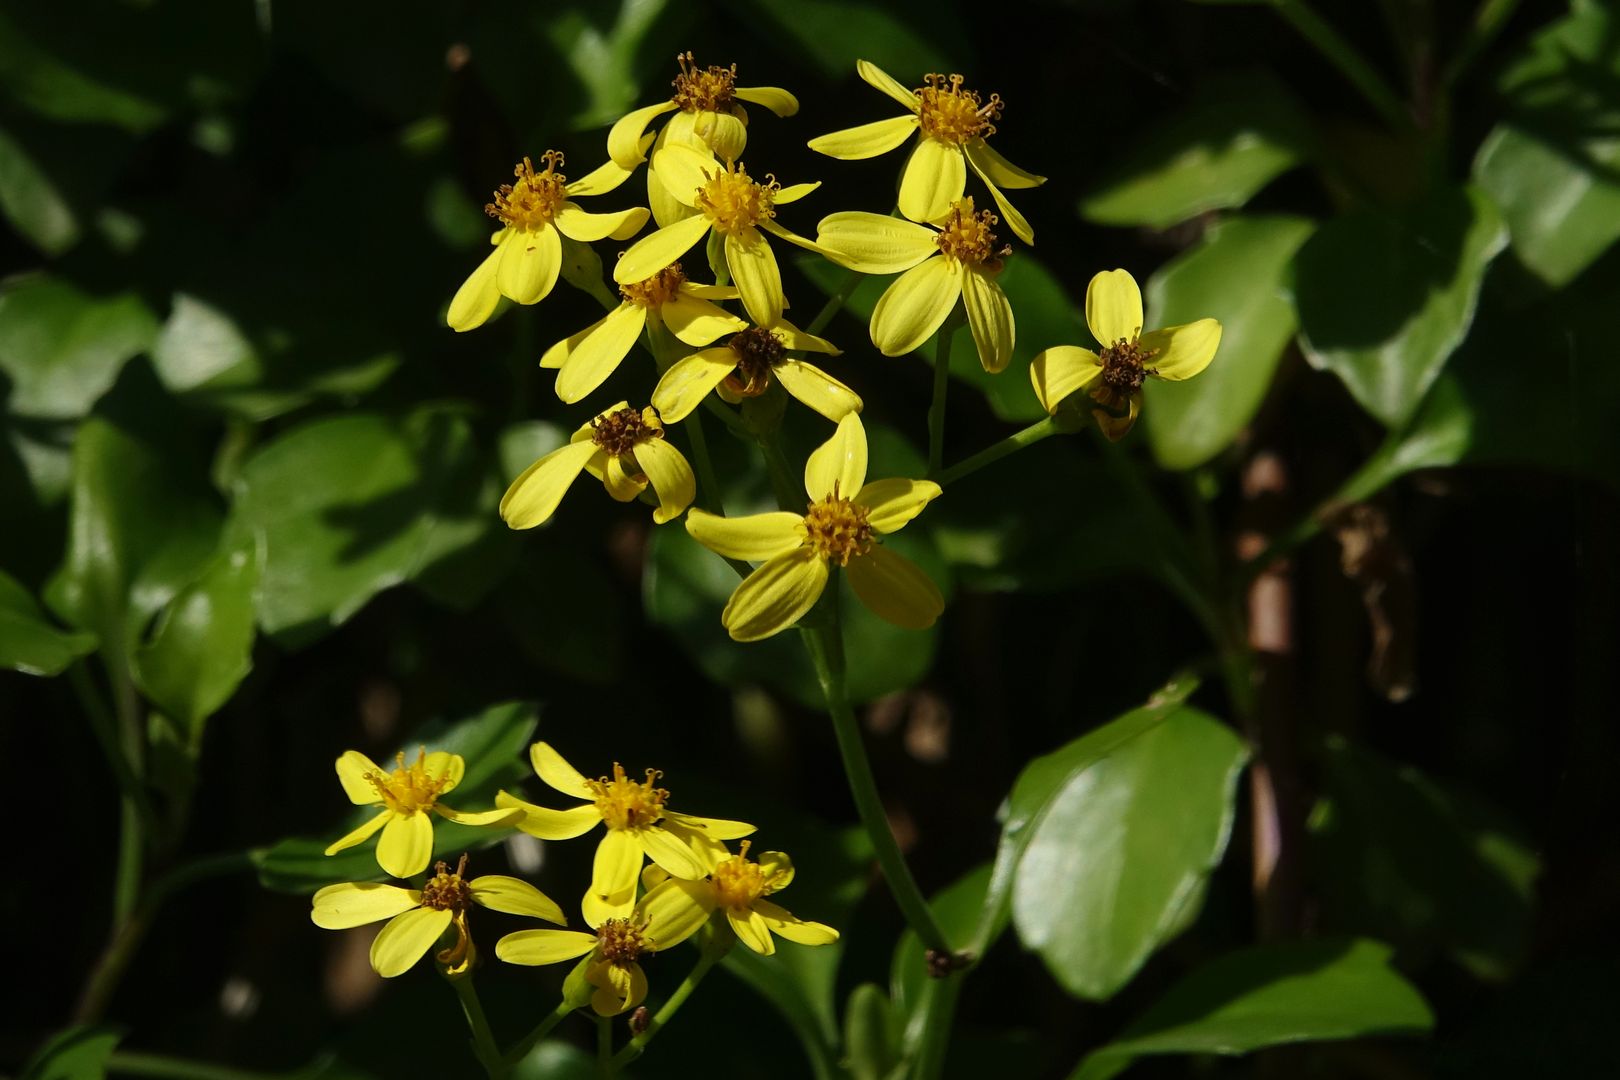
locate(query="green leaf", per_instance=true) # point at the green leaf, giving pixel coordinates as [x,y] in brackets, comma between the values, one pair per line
[78,1053]
[1237,137]
[871,1048]
[904,37]
[495,744]
[1237,274]
[1270,995]
[555,1060]
[958,909]
[603,60]
[1116,864]
[63,349]
[28,641]
[32,202]
[1384,297]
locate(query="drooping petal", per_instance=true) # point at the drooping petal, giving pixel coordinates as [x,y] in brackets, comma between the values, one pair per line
[838,466]
[671,477]
[797,340]
[531,259]
[817,389]
[352,769]
[1060,371]
[621,483]
[890,504]
[895,589]
[751,930]
[754,271]
[666,208]
[360,835]
[552,768]
[480,818]
[778,870]
[696,321]
[657,250]
[867,140]
[586,227]
[774,98]
[915,305]
[689,380]
[754,537]
[500,892]
[620,987]
[934,177]
[998,170]
[669,851]
[338,907]
[990,318]
[1117,427]
[403,941]
[676,909]
[1113,307]
[607,176]
[624,138]
[876,77]
[618,861]
[723,132]
[775,596]
[713,828]
[549,824]
[794,192]
[1183,351]
[534,495]
[475,301]
[535,947]
[684,169]
[876,243]
[558,354]
[593,359]
[406,846]
[783,923]
[1009,213]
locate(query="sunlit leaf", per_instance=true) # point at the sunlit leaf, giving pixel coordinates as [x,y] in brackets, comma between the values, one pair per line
[62,348]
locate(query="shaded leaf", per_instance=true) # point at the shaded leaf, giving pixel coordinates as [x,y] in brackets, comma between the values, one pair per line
[32,203]
[870,1043]
[78,1053]
[29,642]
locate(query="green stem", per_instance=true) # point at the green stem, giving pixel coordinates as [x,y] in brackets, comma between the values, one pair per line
[131,831]
[1351,64]
[789,489]
[105,728]
[936,406]
[835,302]
[129,1063]
[996,451]
[541,1030]
[708,482]
[484,1046]
[635,1046]
[604,1048]
[824,641]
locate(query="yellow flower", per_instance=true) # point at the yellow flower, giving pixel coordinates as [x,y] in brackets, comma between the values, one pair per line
[621,447]
[737,886]
[951,125]
[638,823]
[535,212]
[708,117]
[417,918]
[744,367]
[406,794]
[737,208]
[667,299]
[616,948]
[957,259]
[1114,377]
[837,527]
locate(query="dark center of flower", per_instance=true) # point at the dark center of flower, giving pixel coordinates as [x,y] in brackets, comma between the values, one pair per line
[758,351]
[619,432]
[446,891]
[707,89]
[838,529]
[1124,365]
[626,804]
[954,115]
[967,237]
[621,941]
[657,290]
[536,196]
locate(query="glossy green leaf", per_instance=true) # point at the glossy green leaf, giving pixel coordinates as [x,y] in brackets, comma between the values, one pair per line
[32,202]
[1385,297]
[1268,995]
[1123,849]
[871,1048]
[79,1053]
[1235,138]
[31,643]
[1239,275]
[495,744]
[62,348]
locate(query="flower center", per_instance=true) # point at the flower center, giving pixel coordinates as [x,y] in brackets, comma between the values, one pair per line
[535,198]
[758,351]
[621,941]
[838,529]
[1124,366]
[707,90]
[625,804]
[954,115]
[734,202]
[409,788]
[621,431]
[657,290]
[966,236]
[446,891]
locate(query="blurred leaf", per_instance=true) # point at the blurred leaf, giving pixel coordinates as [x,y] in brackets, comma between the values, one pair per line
[333,536]
[903,37]
[495,744]
[1234,139]
[555,1060]
[1239,275]
[63,349]
[79,1053]
[603,59]
[958,909]
[1420,865]
[1123,848]
[28,641]
[32,202]
[1385,297]
[1268,995]
[870,1040]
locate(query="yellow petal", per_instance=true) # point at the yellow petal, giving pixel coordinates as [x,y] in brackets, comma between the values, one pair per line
[895,589]
[553,769]
[689,380]
[666,208]
[990,318]
[756,275]
[620,987]
[783,923]
[675,910]
[696,321]
[838,466]
[479,818]
[1060,371]
[769,225]
[352,769]
[406,846]
[755,537]
[1117,427]
[1183,351]
[794,192]
[475,301]
[597,910]
[624,138]
[797,340]
[657,250]
[1113,307]
[618,861]
[671,477]
[586,227]
[360,835]
[535,947]
[622,483]
[890,504]
[713,828]
[997,170]
[599,355]
[684,168]
[867,140]
[669,851]
[338,907]
[607,176]
[876,243]
[549,824]
[500,892]
[775,596]
[915,305]
[934,177]
[723,132]
[404,940]
[817,389]
[445,768]
[1009,213]
[778,870]
[534,495]
[876,77]
[531,259]
[751,931]
[774,98]
[558,354]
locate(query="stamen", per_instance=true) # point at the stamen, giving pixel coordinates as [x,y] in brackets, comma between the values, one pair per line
[738,881]
[758,352]
[733,200]
[967,237]
[657,290]
[446,891]
[625,804]
[409,788]
[838,528]
[535,198]
[622,431]
[622,941]
[954,115]
[1124,366]
[710,89]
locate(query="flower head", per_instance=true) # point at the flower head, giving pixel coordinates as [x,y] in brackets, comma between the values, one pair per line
[737,886]
[951,124]
[407,794]
[745,365]
[1113,377]
[616,947]
[844,524]
[709,114]
[418,918]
